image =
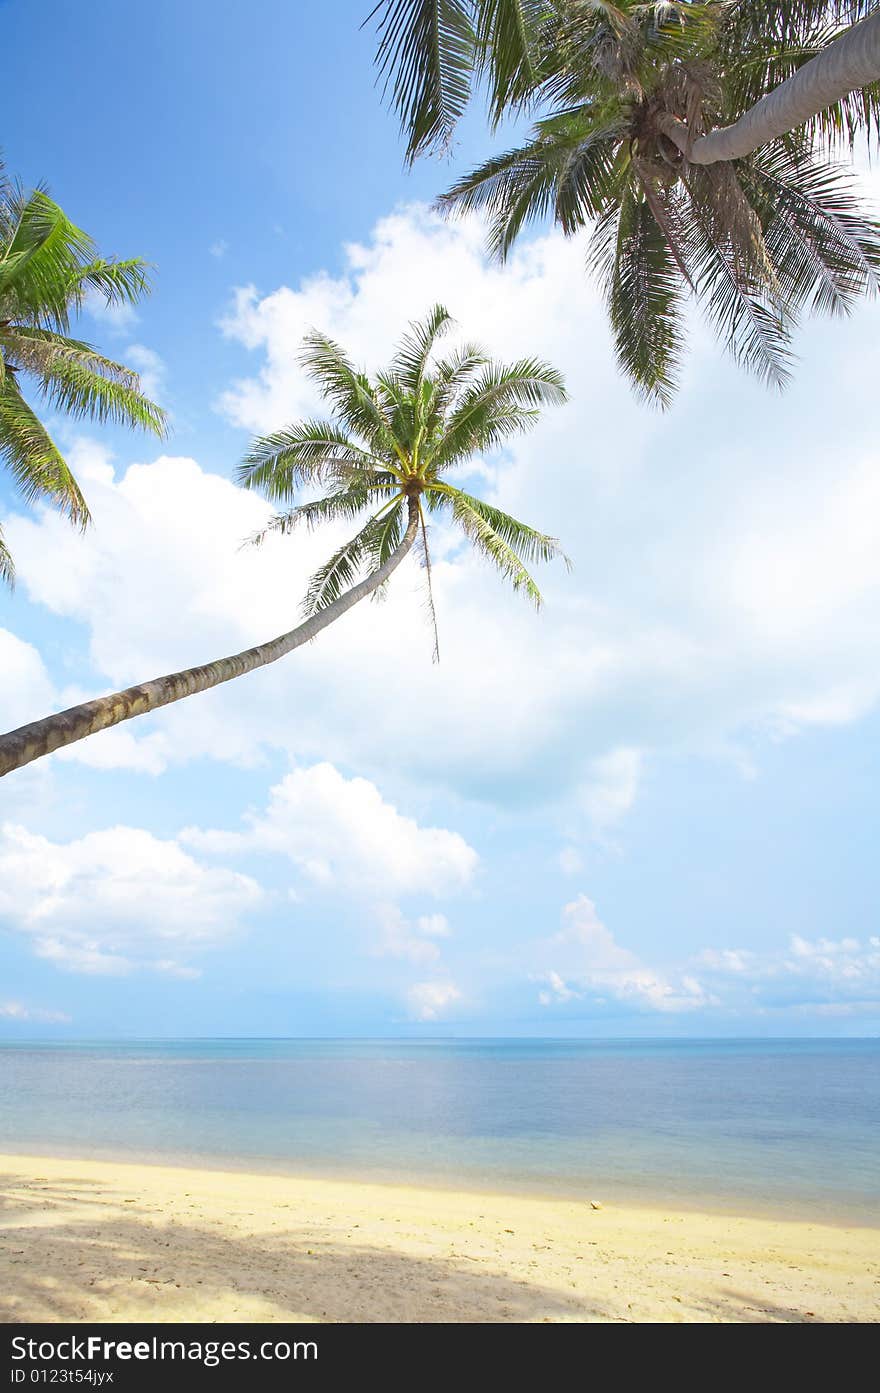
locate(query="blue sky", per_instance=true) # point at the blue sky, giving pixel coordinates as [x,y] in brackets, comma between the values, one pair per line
[649,811]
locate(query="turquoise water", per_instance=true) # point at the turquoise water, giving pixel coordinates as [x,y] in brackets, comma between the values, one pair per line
[787,1126]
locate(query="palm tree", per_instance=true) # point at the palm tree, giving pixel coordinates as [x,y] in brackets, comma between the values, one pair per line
[47,269]
[383,461]
[845,66]
[629,89]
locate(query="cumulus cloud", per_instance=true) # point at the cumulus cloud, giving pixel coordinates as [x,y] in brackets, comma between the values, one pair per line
[726,577]
[597,967]
[411,939]
[345,839]
[584,962]
[116,900]
[839,976]
[341,833]
[26,688]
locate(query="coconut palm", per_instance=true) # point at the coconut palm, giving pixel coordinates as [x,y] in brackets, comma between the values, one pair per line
[383,462]
[628,90]
[834,78]
[48,267]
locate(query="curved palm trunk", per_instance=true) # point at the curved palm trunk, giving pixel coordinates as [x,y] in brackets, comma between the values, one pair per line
[850,62]
[39,738]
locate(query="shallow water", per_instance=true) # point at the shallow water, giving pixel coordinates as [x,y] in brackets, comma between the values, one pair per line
[784,1126]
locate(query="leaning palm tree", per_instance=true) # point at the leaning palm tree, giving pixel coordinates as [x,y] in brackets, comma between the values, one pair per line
[384,462]
[842,76]
[627,91]
[48,267]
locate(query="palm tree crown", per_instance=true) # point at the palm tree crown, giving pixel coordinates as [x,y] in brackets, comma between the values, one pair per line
[47,269]
[625,88]
[386,456]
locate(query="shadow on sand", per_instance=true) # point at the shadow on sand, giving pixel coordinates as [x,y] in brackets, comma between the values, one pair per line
[68,1254]
[152,1263]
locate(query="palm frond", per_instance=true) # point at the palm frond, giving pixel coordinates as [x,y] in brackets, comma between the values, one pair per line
[306,453]
[425,558]
[499,403]
[387,535]
[411,359]
[7,565]
[755,329]
[36,463]
[342,504]
[528,543]
[344,567]
[566,172]
[824,247]
[117,282]
[511,52]
[92,387]
[643,285]
[42,256]
[349,391]
[426,54]
[490,543]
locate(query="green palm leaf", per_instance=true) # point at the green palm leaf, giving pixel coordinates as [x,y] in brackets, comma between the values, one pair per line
[47,268]
[349,391]
[421,416]
[33,458]
[309,452]
[489,542]
[411,359]
[621,89]
[426,52]
[643,287]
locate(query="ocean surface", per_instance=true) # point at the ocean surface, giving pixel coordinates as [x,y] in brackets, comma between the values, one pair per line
[784,1126]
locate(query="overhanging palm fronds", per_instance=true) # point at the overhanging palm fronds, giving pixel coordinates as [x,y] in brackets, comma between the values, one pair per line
[626,89]
[48,267]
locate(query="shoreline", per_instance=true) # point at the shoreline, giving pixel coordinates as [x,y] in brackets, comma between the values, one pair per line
[858,1214]
[86,1239]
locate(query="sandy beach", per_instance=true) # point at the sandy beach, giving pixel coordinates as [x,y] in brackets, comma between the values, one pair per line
[90,1240]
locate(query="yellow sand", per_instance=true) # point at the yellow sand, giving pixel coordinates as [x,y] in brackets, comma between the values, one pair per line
[90,1241]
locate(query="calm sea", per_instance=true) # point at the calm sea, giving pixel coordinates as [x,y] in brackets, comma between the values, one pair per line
[787,1126]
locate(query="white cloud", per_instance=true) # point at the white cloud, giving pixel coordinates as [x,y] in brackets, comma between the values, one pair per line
[345,839]
[430,1001]
[17,1011]
[413,940]
[726,579]
[114,318]
[837,976]
[26,689]
[341,833]
[433,925]
[116,900]
[559,990]
[150,368]
[597,967]
[611,787]
[825,976]
[219,249]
